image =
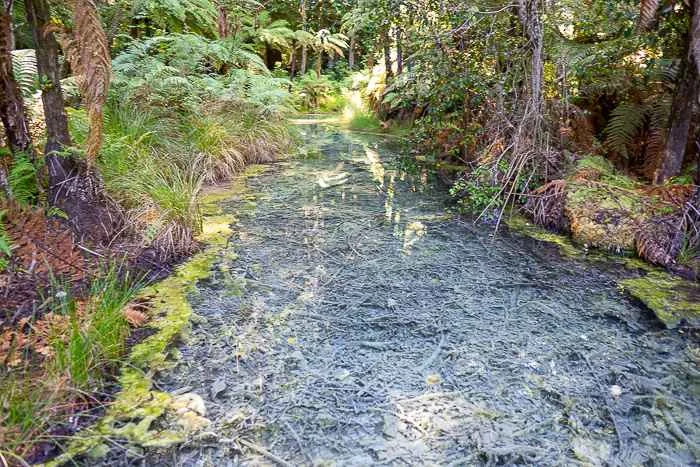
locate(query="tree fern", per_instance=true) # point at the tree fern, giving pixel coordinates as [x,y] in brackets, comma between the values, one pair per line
[22,180]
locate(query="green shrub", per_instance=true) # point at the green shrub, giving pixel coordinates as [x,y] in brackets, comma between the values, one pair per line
[364,121]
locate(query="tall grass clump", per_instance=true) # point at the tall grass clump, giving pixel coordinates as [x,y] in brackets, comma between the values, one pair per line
[108,328]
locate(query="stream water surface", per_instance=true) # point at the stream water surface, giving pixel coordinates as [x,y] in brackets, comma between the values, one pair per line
[349,322]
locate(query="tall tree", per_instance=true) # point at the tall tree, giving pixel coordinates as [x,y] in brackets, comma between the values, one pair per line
[684,100]
[73,186]
[12,111]
[304,47]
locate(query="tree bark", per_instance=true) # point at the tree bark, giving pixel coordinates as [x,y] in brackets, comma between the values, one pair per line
[531,22]
[351,53]
[293,63]
[304,49]
[387,57]
[399,51]
[304,59]
[222,22]
[679,124]
[319,63]
[39,17]
[12,112]
[695,37]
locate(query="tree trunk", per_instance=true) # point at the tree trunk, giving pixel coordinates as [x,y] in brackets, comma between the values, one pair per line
[351,53]
[387,57]
[304,59]
[679,124]
[266,57]
[293,63]
[304,49]
[222,22]
[39,17]
[695,35]
[319,63]
[399,52]
[12,113]
[73,188]
[531,22]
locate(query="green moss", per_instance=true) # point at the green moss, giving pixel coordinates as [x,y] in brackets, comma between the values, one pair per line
[137,405]
[521,225]
[598,163]
[672,299]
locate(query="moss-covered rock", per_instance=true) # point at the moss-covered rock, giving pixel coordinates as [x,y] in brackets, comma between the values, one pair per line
[672,299]
[605,209]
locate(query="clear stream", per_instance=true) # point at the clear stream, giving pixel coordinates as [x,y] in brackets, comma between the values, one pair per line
[350,323]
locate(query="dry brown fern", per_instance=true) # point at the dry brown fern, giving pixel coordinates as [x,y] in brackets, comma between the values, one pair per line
[546,204]
[92,63]
[43,245]
[647,14]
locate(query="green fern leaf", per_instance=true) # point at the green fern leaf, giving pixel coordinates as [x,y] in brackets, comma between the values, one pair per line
[22,180]
[626,122]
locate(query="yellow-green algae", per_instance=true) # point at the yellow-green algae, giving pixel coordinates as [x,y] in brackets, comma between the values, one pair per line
[137,405]
[671,298]
[521,225]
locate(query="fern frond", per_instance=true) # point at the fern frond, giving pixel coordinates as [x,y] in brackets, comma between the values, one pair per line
[94,68]
[5,243]
[659,111]
[647,13]
[22,180]
[24,69]
[626,121]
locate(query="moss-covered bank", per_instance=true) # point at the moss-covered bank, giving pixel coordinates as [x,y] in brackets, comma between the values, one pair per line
[672,299]
[138,405]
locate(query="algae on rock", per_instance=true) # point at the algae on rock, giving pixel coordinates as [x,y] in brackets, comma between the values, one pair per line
[672,299]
